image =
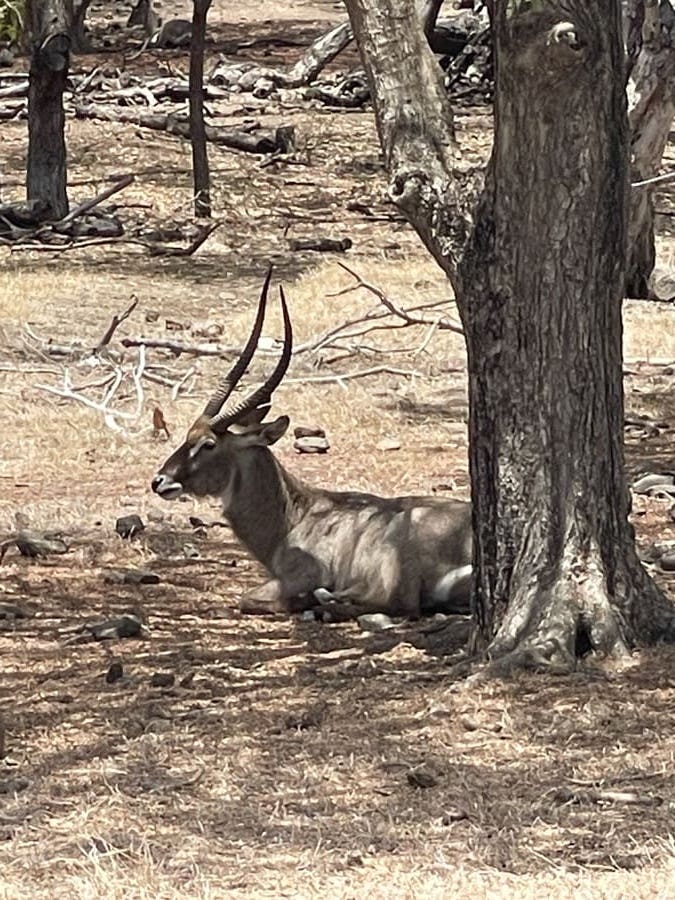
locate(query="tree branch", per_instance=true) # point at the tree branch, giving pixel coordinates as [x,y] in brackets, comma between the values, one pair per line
[427,179]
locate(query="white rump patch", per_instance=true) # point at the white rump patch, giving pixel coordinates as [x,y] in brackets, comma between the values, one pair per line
[449,582]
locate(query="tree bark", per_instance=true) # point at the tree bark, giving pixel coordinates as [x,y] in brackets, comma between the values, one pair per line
[77,13]
[200,159]
[651,97]
[46,174]
[538,278]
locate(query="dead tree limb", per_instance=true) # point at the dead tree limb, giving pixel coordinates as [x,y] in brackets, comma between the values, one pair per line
[88,205]
[259,141]
[319,54]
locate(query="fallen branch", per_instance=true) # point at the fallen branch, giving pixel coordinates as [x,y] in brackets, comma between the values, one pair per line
[88,205]
[569,795]
[250,142]
[179,347]
[204,233]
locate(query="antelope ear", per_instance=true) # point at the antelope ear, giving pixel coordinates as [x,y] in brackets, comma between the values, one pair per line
[267,434]
[251,419]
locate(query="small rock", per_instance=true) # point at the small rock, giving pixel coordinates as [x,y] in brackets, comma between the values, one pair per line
[308,616]
[127,626]
[308,718]
[130,576]
[646,483]
[129,526]
[667,562]
[388,444]
[115,673]
[156,515]
[375,622]
[263,88]
[35,543]
[334,611]
[454,815]
[443,486]
[469,724]
[163,679]
[7,55]
[190,551]
[11,611]
[303,431]
[13,785]
[311,445]
[422,777]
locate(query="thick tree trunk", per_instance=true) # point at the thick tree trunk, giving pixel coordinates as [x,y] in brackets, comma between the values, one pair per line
[200,159]
[539,283]
[46,171]
[651,97]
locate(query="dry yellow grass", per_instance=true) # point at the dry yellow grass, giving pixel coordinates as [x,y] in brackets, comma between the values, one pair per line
[280,769]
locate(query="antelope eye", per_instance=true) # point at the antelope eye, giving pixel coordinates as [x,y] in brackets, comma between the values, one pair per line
[204,443]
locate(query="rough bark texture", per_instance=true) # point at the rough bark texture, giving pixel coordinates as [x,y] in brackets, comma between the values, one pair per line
[50,50]
[200,159]
[539,282]
[651,97]
[77,13]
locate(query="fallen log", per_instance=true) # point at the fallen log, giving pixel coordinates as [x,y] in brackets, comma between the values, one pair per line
[259,141]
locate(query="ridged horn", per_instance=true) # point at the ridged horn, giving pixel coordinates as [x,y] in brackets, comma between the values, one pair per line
[263,394]
[229,382]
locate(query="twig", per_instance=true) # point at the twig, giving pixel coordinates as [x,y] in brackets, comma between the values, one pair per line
[115,323]
[429,335]
[657,179]
[175,390]
[360,373]
[443,324]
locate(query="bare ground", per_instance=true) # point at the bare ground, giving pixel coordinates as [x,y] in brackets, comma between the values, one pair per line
[289,758]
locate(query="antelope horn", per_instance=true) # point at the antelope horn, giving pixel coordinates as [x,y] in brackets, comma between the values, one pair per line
[229,382]
[263,394]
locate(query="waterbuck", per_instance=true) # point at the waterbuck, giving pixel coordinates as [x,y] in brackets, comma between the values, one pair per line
[399,555]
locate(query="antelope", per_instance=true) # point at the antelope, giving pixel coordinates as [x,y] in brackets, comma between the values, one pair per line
[365,553]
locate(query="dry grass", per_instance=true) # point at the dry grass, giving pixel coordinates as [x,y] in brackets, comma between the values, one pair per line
[280,769]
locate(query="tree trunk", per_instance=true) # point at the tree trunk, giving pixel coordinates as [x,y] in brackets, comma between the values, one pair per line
[539,283]
[46,171]
[651,97]
[77,13]
[200,159]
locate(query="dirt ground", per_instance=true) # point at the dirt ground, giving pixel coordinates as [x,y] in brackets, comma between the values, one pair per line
[287,758]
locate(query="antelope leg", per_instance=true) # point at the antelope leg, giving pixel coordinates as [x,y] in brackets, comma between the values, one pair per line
[277,597]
